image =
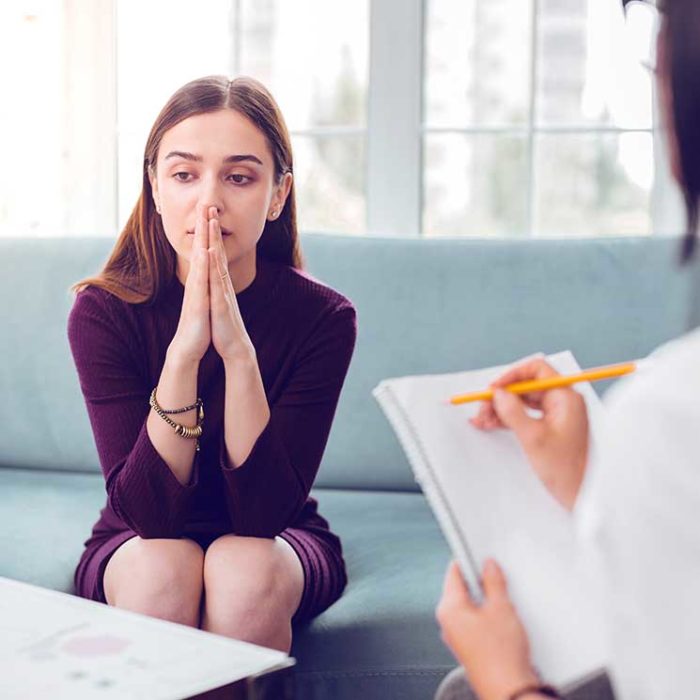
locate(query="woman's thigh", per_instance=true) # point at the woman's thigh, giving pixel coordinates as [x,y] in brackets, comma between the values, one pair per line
[159,577]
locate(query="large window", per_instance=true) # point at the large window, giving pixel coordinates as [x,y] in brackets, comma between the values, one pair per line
[537,120]
[312,54]
[408,117]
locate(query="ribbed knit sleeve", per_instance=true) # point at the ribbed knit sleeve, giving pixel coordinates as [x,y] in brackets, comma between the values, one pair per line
[141,488]
[267,491]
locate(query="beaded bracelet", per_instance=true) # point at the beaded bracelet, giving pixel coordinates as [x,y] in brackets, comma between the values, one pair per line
[182,430]
[184,409]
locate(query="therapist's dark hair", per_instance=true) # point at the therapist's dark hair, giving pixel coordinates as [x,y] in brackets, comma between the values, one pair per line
[683,27]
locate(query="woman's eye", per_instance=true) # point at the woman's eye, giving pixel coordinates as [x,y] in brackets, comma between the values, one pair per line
[239,179]
[182,176]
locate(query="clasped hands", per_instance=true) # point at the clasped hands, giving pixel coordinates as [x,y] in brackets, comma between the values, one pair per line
[210,313]
[489,640]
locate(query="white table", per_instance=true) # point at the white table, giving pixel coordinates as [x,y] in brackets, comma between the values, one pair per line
[55,645]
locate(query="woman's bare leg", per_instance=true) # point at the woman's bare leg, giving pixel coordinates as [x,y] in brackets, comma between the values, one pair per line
[160,577]
[252,588]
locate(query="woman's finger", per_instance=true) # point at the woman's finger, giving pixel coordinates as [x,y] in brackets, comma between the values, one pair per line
[197,282]
[216,242]
[455,591]
[203,273]
[200,228]
[537,368]
[211,214]
[218,272]
[494,581]
[217,280]
[511,412]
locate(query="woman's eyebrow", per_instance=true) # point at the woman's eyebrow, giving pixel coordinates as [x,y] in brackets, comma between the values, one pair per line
[229,159]
[241,158]
[183,154]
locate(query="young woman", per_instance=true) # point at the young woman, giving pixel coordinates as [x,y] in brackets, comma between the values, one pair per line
[637,500]
[211,366]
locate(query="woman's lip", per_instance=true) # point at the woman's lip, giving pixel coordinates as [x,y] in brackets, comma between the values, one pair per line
[224,233]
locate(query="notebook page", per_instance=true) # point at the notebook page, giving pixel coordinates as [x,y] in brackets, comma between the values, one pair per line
[481,485]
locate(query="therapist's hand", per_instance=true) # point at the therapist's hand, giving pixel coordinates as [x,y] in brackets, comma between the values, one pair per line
[557,443]
[488,640]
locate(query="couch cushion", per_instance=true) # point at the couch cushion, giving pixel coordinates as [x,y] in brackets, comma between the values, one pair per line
[424,305]
[378,641]
[46,517]
[445,305]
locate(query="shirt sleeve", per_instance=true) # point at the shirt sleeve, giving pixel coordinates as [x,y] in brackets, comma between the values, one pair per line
[644,500]
[266,493]
[141,488]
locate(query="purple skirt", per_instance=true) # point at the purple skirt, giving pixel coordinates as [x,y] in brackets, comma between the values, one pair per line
[317,548]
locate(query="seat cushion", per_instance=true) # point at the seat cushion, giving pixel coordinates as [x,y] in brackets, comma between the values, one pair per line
[380,640]
[46,516]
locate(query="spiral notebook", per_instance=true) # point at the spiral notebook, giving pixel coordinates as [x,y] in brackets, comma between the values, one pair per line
[489,503]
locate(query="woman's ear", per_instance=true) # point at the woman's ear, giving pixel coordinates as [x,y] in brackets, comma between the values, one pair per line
[279,197]
[154,188]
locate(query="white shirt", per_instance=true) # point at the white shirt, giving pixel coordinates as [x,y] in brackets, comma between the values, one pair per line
[639,517]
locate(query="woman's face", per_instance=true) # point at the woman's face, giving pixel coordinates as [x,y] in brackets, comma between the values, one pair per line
[219,159]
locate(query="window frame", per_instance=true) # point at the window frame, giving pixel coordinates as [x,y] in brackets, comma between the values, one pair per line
[395,129]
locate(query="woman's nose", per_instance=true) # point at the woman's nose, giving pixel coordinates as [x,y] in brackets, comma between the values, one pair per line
[210,196]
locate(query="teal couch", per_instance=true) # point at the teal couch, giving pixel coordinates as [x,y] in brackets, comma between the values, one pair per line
[423,306]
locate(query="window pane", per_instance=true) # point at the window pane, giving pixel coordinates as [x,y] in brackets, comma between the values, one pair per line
[276,42]
[129,171]
[477,62]
[475,185]
[161,45]
[586,72]
[312,54]
[330,183]
[31,188]
[593,184]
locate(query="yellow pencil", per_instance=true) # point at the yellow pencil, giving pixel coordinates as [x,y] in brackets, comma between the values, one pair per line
[532,385]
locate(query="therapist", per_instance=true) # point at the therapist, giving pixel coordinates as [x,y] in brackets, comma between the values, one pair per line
[636,501]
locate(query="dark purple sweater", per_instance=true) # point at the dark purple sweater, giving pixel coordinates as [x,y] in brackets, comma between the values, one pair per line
[303,333]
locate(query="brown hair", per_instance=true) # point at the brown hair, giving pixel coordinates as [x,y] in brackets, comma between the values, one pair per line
[143,262]
[683,27]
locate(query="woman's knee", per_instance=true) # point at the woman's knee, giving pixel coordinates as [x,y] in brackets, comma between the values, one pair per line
[161,577]
[247,572]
